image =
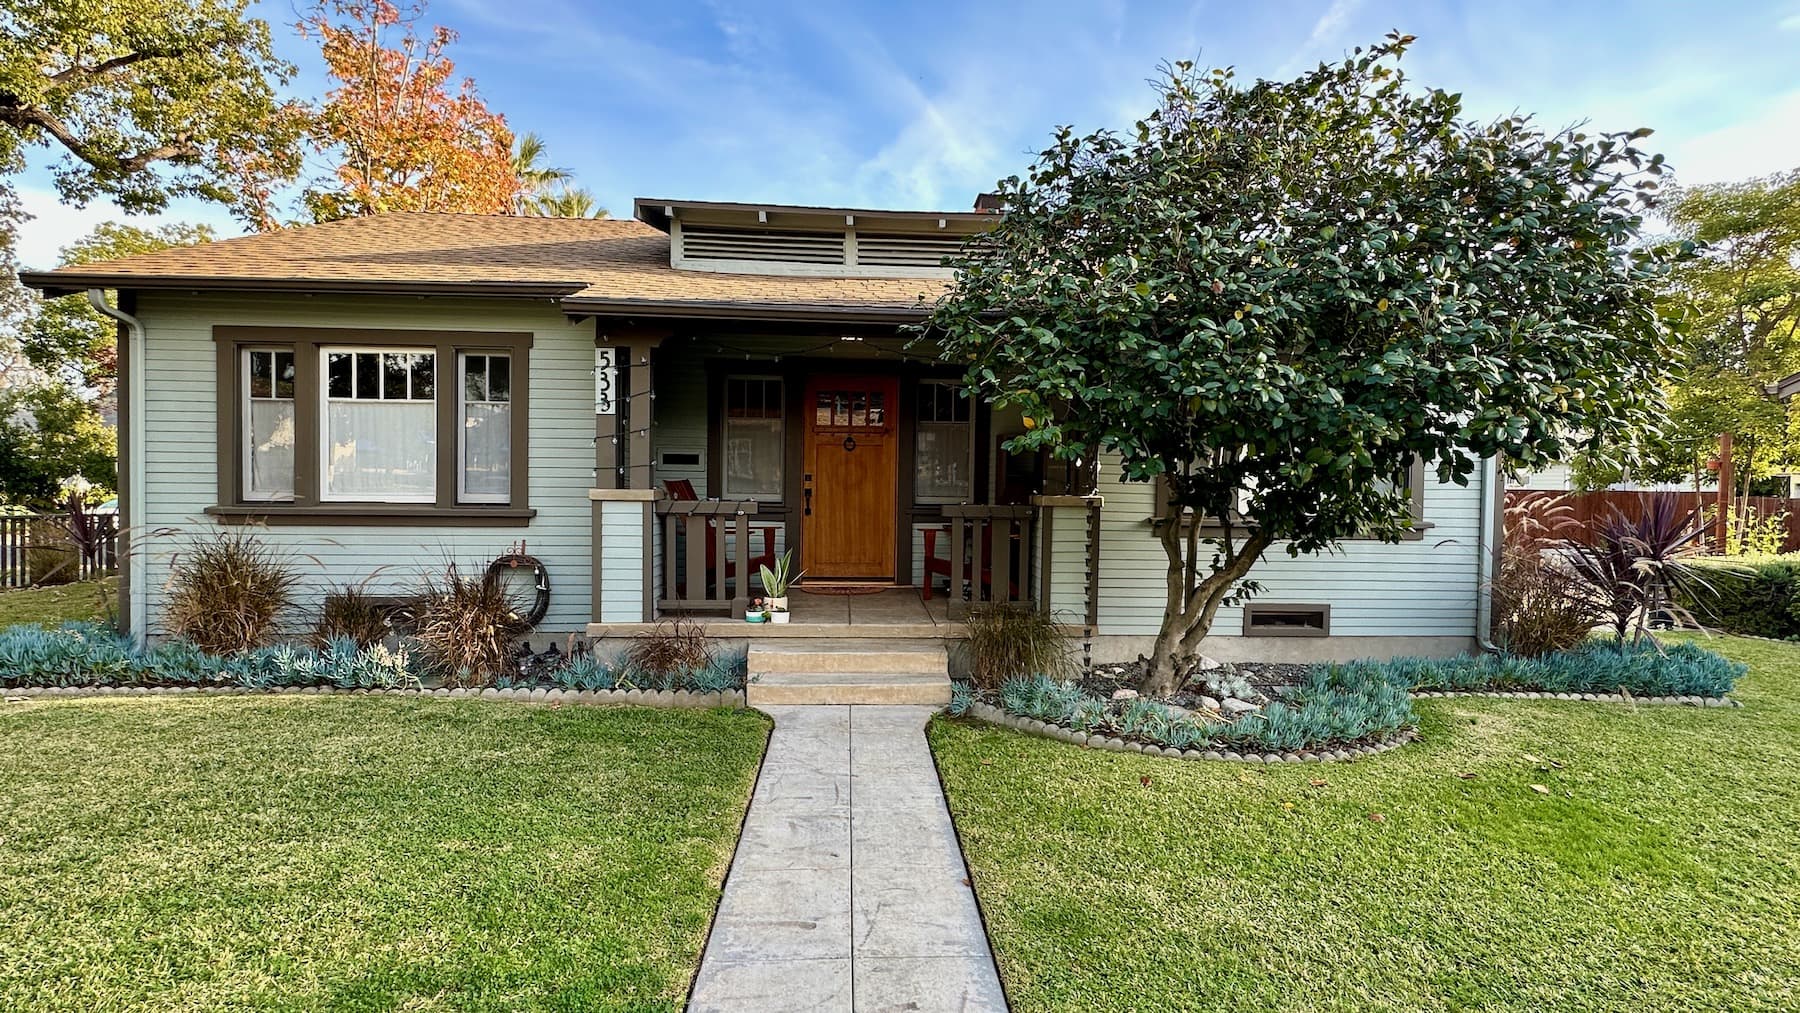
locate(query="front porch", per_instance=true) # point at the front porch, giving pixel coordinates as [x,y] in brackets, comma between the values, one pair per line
[721,447]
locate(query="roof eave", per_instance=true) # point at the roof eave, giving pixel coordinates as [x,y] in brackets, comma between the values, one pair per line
[59,283]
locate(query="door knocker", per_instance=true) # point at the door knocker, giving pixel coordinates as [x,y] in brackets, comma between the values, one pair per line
[849,443]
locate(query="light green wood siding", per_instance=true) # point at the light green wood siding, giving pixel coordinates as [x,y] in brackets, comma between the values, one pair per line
[1416,588]
[181,445]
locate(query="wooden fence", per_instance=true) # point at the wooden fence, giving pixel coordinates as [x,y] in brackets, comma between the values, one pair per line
[39,549]
[1590,509]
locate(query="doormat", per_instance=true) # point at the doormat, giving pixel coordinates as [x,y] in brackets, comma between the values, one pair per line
[844,590]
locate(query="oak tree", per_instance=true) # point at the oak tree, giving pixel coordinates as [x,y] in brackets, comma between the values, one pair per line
[148,100]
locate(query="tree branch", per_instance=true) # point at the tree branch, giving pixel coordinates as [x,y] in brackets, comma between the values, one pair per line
[20,116]
[105,67]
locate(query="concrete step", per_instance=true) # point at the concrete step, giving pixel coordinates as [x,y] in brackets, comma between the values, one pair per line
[929,689]
[828,656]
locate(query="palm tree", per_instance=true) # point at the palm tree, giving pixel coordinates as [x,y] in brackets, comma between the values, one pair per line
[566,202]
[535,179]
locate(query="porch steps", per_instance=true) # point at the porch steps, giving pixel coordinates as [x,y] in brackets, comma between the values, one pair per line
[849,672]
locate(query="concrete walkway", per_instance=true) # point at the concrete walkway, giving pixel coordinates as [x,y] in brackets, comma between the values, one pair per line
[848,890]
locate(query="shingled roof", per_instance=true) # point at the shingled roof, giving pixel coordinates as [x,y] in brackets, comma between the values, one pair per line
[599,266]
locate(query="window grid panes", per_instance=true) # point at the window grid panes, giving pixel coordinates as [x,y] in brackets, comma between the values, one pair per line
[486,430]
[380,439]
[942,470]
[268,424]
[850,409]
[753,451]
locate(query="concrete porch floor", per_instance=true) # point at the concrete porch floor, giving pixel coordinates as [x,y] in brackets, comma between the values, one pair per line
[891,613]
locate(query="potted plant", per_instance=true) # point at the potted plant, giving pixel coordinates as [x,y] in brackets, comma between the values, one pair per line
[758,611]
[778,615]
[776,582]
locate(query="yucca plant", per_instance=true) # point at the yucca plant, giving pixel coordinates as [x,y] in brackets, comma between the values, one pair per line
[1639,566]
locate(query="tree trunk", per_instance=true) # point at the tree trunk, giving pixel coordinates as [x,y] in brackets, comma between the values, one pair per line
[1192,605]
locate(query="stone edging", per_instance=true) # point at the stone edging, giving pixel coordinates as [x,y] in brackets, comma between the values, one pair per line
[1673,701]
[537,694]
[1031,726]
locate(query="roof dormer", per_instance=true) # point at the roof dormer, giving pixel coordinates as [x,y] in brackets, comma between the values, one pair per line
[827,242]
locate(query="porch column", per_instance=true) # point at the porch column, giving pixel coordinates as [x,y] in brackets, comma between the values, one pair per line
[1069,556]
[624,493]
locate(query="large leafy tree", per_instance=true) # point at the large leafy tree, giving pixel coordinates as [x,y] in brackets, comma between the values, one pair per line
[48,433]
[146,100]
[1744,295]
[1276,296]
[403,133]
[72,340]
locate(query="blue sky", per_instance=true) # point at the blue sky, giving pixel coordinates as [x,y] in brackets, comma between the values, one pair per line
[922,105]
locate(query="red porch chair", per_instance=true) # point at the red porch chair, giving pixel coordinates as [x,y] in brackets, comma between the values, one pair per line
[683,489]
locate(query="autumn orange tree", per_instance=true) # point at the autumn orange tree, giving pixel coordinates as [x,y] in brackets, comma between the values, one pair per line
[404,134]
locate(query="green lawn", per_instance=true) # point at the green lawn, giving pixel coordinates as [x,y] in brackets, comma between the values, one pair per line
[1660,871]
[302,853]
[53,606]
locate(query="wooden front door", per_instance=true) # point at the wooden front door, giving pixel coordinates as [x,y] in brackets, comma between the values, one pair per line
[848,497]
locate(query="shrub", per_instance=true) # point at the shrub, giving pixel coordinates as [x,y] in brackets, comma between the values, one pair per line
[465,627]
[83,654]
[1759,597]
[51,558]
[1637,567]
[1334,705]
[1540,605]
[353,613]
[227,593]
[676,649]
[1008,640]
[1640,669]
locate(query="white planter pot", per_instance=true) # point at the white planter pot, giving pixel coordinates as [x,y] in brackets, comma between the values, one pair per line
[777,603]
[778,617]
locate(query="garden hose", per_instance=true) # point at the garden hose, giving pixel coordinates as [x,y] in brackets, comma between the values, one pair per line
[540,606]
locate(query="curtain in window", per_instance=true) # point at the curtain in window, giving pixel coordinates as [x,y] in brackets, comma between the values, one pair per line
[381,450]
[941,466]
[487,452]
[486,429]
[271,450]
[753,458]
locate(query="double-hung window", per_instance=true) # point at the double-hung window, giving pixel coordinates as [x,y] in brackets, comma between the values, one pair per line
[484,474]
[753,445]
[268,424]
[408,425]
[943,468]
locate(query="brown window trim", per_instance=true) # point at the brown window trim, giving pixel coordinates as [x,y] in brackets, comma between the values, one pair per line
[1415,480]
[1253,609]
[306,507]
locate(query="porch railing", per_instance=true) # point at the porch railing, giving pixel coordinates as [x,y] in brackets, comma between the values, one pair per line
[990,554]
[36,548]
[702,569]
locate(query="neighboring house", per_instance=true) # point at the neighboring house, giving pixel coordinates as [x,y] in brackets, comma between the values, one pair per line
[389,393]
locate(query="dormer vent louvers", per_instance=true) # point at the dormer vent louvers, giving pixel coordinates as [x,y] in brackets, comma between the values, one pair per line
[706,243]
[905,251]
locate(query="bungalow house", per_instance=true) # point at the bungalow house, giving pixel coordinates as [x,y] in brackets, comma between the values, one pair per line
[653,406]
